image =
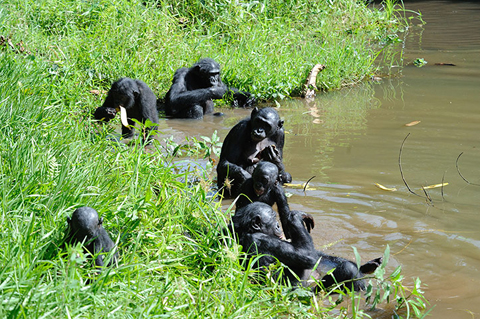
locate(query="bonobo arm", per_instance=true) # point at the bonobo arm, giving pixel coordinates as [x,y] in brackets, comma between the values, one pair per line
[283,209]
[102,245]
[232,158]
[273,154]
[285,252]
[180,97]
[299,253]
[285,213]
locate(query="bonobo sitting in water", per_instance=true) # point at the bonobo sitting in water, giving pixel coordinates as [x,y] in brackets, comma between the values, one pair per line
[264,187]
[260,137]
[85,227]
[134,100]
[258,233]
[194,89]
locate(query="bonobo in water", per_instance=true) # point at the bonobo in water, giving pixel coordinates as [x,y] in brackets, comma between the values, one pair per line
[134,100]
[194,89]
[264,187]
[258,233]
[260,137]
[85,227]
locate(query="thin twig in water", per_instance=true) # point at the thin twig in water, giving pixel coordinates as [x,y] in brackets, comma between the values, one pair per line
[458,170]
[306,184]
[429,200]
[400,166]
[443,184]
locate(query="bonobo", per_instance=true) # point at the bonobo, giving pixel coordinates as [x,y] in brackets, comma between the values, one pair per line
[85,227]
[257,231]
[264,187]
[134,100]
[260,137]
[194,89]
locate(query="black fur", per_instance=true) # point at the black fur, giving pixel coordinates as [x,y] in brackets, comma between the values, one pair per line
[264,187]
[194,89]
[136,97]
[85,227]
[255,226]
[259,137]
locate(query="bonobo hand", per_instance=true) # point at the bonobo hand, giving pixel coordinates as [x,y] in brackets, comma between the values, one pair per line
[243,99]
[217,91]
[284,177]
[308,221]
[271,154]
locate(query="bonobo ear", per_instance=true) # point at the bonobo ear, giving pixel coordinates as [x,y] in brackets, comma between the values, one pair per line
[254,111]
[69,220]
[257,224]
[135,90]
[280,124]
[100,221]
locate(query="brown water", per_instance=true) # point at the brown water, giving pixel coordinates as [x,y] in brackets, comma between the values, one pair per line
[355,143]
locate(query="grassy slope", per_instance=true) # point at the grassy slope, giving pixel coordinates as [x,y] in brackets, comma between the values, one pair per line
[52,160]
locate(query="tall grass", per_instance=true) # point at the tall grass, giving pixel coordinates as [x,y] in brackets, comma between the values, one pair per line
[266,47]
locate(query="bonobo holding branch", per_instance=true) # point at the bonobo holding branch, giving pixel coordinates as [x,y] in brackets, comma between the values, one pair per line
[257,231]
[260,137]
[264,187]
[85,227]
[194,89]
[134,100]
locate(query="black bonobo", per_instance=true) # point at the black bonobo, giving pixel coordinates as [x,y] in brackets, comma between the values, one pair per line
[258,233]
[264,187]
[194,89]
[260,137]
[134,100]
[85,227]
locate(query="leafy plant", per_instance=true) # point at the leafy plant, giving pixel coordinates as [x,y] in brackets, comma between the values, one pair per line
[412,302]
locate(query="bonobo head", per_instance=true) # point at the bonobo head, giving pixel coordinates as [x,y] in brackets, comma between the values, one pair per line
[264,176]
[256,217]
[84,224]
[104,113]
[209,71]
[123,93]
[264,122]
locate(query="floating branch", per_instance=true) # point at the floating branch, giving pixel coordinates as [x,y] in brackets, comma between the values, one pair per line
[401,171]
[306,183]
[458,170]
[310,84]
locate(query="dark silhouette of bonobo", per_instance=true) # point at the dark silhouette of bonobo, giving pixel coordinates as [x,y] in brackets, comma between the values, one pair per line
[260,137]
[134,100]
[85,227]
[194,89]
[257,231]
[264,187]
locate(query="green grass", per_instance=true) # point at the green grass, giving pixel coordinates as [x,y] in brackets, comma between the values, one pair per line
[53,158]
[265,47]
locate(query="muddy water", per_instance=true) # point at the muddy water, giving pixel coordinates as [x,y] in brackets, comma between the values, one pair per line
[352,139]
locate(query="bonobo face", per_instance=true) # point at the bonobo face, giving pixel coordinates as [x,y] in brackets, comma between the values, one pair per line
[265,123]
[105,113]
[214,77]
[120,99]
[270,224]
[264,176]
[209,70]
